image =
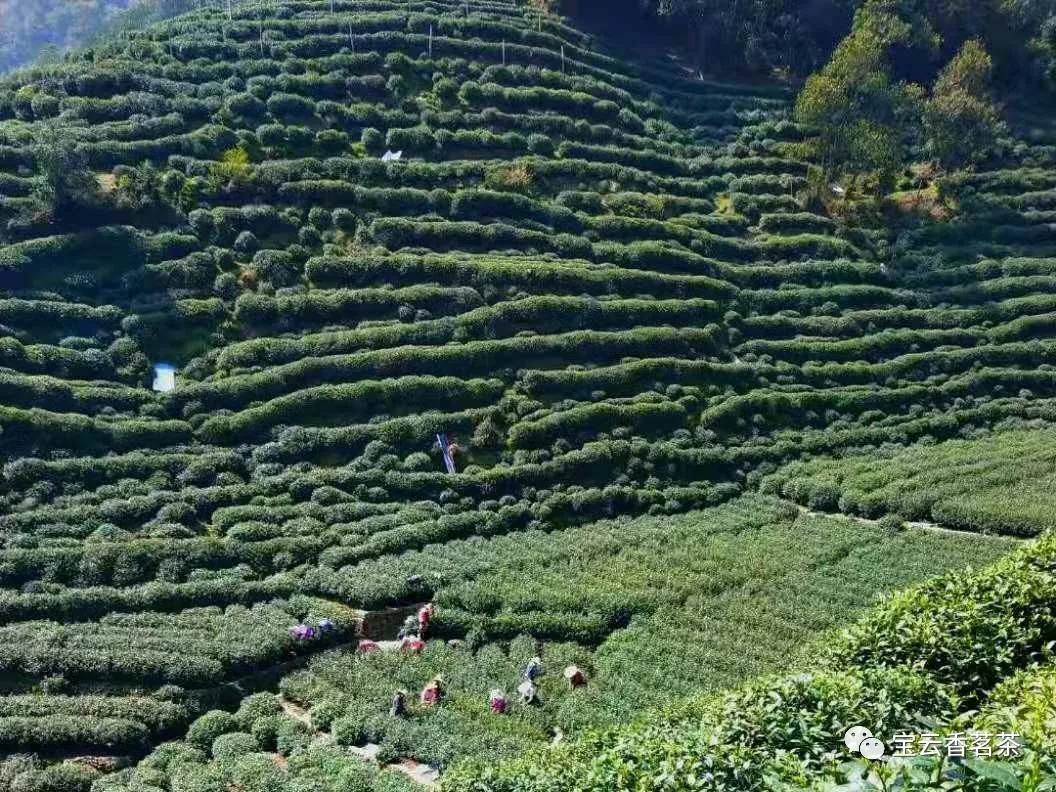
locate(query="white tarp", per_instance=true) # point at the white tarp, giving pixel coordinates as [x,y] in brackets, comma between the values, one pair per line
[390,156]
[164,378]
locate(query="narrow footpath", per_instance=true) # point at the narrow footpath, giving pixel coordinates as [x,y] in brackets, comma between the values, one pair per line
[923,525]
[378,626]
[426,775]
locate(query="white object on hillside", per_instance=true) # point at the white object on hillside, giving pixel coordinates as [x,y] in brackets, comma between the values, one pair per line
[390,156]
[840,191]
[164,378]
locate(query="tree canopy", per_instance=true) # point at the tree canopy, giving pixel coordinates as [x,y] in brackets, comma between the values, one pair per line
[795,38]
[871,118]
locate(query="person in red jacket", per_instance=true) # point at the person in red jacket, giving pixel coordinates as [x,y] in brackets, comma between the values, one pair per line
[412,644]
[497,702]
[425,615]
[366,646]
[433,692]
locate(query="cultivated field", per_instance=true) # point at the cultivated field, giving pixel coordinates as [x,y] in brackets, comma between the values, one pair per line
[605,281]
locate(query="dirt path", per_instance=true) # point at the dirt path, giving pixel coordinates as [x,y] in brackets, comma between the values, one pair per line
[923,525]
[426,775]
[378,625]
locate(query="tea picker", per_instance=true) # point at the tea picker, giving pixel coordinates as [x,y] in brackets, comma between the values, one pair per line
[575,676]
[448,451]
[412,644]
[528,691]
[302,632]
[433,692]
[409,628]
[425,614]
[399,704]
[497,702]
[532,669]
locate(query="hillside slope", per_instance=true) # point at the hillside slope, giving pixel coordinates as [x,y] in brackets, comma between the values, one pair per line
[32,28]
[603,280]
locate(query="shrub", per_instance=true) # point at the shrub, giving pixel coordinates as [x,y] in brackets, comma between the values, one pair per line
[256,706]
[66,777]
[291,736]
[232,745]
[290,106]
[247,242]
[209,726]
[541,145]
[344,220]
[373,140]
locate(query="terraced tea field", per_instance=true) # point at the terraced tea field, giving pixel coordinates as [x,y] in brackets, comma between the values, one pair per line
[603,280]
[1000,483]
[755,581]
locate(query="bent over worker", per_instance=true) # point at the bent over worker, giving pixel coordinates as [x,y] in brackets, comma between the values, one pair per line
[497,702]
[528,691]
[433,692]
[425,615]
[532,669]
[399,704]
[410,627]
[575,676]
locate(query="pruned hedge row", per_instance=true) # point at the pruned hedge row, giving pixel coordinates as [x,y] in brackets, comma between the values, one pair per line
[34,431]
[63,733]
[396,232]
[928,482]
[333,404]
[541,314]
[319,307]
[475,358]
[646,418]
[496,272]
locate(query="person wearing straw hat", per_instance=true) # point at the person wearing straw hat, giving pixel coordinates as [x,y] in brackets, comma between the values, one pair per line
[529,692]
[575,676]
[399,704]
[532,669]
[433,692]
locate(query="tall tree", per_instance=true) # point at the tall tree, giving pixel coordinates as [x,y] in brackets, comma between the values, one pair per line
[790,37]
[861,113]
[961,120]
[63,179]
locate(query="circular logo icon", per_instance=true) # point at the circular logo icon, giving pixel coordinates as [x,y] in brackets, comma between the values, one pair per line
[871,748]
[860,740]
[854,737]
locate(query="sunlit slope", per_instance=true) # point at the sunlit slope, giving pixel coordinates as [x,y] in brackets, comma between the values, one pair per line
[598,277]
